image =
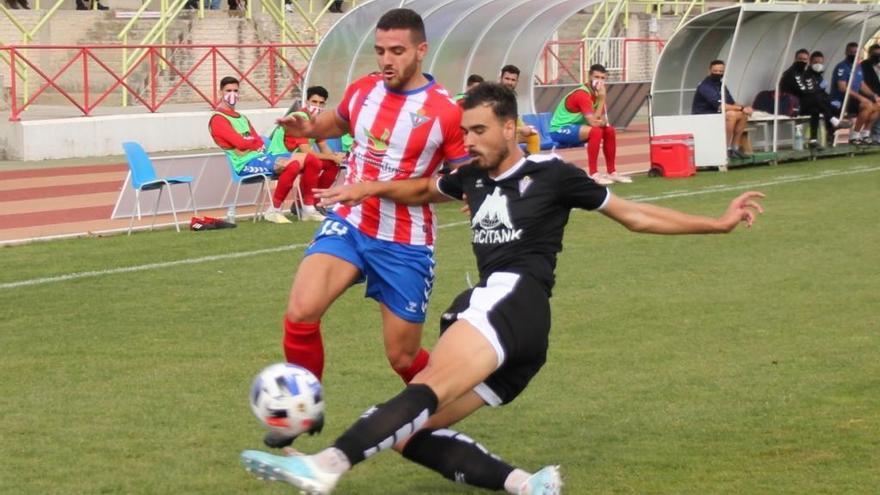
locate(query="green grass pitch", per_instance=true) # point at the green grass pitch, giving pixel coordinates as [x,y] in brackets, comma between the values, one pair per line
[738,364]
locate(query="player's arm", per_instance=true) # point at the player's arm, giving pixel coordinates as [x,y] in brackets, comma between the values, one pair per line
[653,219]
[408,192]
[325,125]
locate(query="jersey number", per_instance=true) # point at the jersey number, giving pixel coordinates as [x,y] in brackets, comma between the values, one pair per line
[333,228]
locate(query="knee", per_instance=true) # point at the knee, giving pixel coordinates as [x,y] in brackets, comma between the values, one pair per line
[301,310]
[399,358]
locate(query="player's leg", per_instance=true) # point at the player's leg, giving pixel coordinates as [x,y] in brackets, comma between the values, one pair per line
[312,167]
[594,142]
[332,264]
[400,277]
[329,171]
[403,344]
[730,120]
[285,182]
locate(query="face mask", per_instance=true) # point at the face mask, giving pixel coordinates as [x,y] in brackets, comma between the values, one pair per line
[800,66]
[315,109]
[818,68]
[716,77]
[875,58]
[850,58]
[231,98]
[596,83]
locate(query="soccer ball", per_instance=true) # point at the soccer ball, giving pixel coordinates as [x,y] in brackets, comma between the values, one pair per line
[288,399]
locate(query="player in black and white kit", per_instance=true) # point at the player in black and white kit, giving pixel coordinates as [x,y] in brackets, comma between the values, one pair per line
[494,336]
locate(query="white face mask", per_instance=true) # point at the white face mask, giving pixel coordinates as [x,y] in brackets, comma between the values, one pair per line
[315,110]
[231,98]
[818,67]
[596,83]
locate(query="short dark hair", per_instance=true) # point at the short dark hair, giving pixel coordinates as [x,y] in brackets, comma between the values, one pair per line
[852,44]
[817,53]
[598,68]
[510,69]
[317,90]
[716,62]
[497,96]
[873,47]
[802,50]
[404,19]
[228,80]
[474,79]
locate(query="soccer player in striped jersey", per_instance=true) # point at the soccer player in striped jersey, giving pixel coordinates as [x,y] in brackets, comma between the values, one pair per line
[405,125]
[494,336]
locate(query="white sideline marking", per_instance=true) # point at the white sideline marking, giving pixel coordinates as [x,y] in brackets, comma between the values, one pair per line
[164,264]
[192,261]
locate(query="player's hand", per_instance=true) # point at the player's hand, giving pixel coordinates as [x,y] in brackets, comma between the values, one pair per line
[748,110]
[742,209]
[338,158]
[349,194]
[465,209]
[296,124]
[601,90]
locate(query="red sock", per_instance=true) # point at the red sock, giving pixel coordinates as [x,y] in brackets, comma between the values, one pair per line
[311,170]
[609,148]
[285,183]
[329,170]
[418,364]
[303,346]
[593,143]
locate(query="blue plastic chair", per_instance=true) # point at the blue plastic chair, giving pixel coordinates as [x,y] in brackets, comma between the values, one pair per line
[143,178]
[541,122]
[238,180]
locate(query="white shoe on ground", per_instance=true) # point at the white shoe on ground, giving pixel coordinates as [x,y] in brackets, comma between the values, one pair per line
[547,481]
[298,470]
[619,178]
[601,179]
[310,213]
[275,216]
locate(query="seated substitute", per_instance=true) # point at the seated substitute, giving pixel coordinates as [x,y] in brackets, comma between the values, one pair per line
[245,149]
[472,81]
[583,116]
[805,82]
[865,110]
[524,133]
[707,100]
[871,72]
[319,168]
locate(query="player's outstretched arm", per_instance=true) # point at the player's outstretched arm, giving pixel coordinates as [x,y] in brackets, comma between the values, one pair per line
[408,192]
[653,219]
[324,125]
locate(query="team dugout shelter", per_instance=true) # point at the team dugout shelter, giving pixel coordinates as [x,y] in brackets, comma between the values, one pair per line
[757,42]
[465,37]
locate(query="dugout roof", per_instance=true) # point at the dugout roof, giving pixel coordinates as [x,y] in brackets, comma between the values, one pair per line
[464,37]
[757,43]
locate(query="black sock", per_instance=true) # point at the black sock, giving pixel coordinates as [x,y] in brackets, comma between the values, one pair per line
[458,458]
[386,424]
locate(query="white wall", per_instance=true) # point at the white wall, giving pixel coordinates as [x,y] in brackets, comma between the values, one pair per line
[103,135]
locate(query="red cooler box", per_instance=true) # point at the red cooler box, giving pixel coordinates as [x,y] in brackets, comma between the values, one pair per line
[672,155]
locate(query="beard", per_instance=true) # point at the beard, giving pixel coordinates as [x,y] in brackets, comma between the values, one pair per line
[484,162]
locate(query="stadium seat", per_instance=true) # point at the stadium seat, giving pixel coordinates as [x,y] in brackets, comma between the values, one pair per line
[143,178]
[541,122]
[263,179]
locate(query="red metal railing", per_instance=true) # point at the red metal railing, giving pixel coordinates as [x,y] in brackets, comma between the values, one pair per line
[567,61]
[268,71]
[571,66]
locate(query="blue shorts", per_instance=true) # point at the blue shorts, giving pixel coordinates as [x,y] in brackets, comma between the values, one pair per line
[263,164]
[400,276]
[568,135]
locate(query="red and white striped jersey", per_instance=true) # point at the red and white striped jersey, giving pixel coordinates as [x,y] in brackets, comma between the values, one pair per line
[398,135]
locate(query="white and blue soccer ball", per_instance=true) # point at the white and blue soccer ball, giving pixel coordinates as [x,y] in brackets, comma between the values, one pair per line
[288,399]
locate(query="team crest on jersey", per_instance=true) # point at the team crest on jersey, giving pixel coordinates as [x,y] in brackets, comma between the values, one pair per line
[524,184]
[492,224]
[418,118]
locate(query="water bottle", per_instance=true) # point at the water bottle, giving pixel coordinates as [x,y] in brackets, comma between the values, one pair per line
[799,137]
[230,214]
